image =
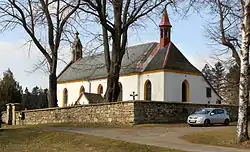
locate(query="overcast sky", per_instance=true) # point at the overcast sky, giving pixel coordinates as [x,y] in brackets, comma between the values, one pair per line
[188,35]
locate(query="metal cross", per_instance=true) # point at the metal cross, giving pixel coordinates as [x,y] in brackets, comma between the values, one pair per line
[133,95]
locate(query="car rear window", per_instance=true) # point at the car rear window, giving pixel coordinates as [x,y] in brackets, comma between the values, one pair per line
[220,111]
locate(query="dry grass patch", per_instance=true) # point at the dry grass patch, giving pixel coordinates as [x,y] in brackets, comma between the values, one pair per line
[225,137]
[38,140]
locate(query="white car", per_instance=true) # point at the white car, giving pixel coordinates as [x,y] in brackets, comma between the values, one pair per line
[208,116]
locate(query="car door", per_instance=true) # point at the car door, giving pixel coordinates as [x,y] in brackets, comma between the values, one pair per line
[221,116]
[214,116]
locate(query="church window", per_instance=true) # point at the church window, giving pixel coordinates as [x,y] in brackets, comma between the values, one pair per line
[65,97]
[185,91]
[161,33]
[147,90]
[82,90]
[208,92]
[120,93]
[100,89]
[166,33]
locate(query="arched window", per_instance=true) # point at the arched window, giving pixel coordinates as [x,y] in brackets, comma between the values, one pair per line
[120,93]
[65,97]
[147,90]
[82,90]
[100,89]
[185,91]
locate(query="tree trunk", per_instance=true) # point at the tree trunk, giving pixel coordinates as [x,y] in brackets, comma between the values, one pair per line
[113,88]
[242,126]
[52,92]
[52,97]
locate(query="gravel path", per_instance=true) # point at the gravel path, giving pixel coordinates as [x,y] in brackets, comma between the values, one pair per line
[154,136]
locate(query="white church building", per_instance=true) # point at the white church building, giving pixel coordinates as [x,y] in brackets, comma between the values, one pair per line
[153,71]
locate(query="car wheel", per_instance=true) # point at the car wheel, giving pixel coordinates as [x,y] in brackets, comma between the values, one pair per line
[226,122]
[207,123]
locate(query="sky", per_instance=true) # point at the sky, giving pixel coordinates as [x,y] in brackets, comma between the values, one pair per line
[187,34]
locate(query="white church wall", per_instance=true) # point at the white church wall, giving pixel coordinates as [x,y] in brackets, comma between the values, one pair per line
[157,82]
[171,91]
[129,84]
[95,84]
[197,84]
[73,91]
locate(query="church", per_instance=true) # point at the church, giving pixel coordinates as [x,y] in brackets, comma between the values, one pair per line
[150,71]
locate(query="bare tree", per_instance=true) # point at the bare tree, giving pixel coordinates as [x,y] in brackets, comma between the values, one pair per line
[224,29]
[232,32]
[34,16]
[242,126]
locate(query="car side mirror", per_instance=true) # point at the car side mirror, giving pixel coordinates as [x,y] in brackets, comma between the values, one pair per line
[211,114]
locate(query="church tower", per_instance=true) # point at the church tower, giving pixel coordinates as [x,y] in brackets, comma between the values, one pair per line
[165,30]
[76,49]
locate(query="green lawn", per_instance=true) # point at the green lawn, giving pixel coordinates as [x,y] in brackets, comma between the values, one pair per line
[39,140]
[225,137]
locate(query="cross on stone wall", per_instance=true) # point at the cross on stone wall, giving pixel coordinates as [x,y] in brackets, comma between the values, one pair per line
[133,95]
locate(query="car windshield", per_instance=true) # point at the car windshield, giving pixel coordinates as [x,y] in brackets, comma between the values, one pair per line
[203,111]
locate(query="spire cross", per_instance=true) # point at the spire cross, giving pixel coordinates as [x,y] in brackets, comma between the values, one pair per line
[133,95]
[77,33]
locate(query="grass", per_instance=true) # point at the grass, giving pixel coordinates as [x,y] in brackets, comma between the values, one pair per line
[225,137]
[29,139]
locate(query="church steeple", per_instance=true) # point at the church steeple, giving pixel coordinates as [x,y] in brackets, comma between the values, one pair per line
[165,30]
[76,48]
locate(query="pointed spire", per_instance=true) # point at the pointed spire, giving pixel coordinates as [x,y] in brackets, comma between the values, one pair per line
[77,41]
[165,20]
[76,48]
[165,29]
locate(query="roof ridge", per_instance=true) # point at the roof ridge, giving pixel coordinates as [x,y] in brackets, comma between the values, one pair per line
[170,44]
[131,46]
[139,44]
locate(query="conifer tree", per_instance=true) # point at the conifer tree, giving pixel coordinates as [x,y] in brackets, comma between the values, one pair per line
[232,85]
[218,78]
[10,90]
[207,71]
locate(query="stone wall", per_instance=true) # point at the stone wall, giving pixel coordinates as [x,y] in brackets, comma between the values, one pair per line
[172,112]
[129,112]
[121,113]
[4,117]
